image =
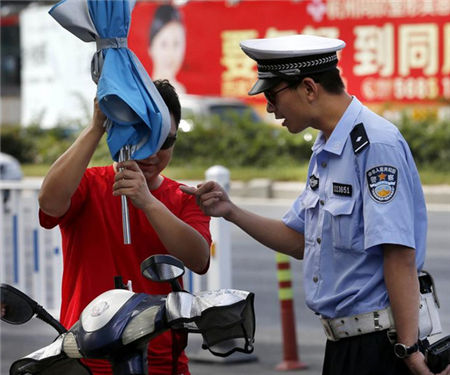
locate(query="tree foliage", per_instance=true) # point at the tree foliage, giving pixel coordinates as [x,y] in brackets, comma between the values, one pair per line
[238,142]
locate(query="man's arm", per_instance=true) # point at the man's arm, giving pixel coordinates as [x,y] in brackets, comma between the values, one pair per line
[214,201]
[65,174]
[270,232]
[178,237]
[402,283]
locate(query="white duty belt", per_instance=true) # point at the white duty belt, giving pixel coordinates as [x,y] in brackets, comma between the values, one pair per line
[356,325]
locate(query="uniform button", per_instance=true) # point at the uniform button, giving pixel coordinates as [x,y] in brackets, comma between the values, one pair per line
[322,202]
[323,164]
[319,240]
[315,279]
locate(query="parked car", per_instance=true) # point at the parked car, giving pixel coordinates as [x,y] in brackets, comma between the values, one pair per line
[9,168]
[202,108]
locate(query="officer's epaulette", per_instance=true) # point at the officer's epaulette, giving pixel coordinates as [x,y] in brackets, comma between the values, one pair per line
[359,138]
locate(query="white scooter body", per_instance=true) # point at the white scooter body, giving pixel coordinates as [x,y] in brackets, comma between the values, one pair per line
[102,309]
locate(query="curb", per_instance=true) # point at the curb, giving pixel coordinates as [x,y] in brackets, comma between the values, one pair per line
[437,194]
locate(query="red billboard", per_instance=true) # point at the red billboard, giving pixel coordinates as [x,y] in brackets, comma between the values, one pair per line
[397,51]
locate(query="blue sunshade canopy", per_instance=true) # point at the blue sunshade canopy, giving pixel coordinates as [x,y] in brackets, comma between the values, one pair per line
[137,115]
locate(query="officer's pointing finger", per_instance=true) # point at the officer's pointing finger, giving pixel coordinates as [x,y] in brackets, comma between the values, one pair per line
[209,202]
[188,190]
[215,195]
[205,187]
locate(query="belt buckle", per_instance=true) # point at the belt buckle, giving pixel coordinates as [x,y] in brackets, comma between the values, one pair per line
[376,320]
[329,332]
[392,335]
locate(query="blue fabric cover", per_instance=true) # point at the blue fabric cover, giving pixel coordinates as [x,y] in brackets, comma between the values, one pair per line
[126,94]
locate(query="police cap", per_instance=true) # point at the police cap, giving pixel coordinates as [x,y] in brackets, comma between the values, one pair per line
[285,57]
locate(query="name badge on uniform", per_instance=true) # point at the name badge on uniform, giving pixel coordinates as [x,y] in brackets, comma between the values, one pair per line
[382,183]
[342,189]
[313,182]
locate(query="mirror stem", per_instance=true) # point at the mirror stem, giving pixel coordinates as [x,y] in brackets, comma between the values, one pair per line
[42,314]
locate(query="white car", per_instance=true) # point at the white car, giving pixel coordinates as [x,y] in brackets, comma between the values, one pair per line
[202,108]
[9,168]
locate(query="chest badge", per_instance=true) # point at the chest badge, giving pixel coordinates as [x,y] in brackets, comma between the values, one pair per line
[313,182]
[342,189]
[382,183]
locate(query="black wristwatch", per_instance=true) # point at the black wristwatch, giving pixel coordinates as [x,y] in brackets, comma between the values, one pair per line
[402,351]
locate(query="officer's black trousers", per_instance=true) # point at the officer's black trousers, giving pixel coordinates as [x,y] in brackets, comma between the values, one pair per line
[370,354]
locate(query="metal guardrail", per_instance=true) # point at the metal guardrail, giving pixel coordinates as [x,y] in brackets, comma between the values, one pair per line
[30,256]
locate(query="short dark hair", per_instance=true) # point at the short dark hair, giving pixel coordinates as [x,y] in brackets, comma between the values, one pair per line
[330,80]
[170,97]
[164,14]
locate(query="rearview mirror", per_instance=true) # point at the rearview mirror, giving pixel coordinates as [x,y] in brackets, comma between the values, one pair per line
[163,268]
[16,307]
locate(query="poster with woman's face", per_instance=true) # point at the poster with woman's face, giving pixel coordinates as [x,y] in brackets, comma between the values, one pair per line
[196,45]
[167,45]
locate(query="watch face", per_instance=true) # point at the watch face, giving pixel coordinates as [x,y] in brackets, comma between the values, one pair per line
[400,350]
[403,351]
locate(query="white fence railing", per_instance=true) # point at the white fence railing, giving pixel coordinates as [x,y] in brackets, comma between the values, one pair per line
[30,256]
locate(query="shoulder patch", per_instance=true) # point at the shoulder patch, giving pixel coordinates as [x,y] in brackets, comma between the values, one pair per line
[382,183]
[359,138]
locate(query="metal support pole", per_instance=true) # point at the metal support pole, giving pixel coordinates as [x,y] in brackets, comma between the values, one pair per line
[220,272]
[290,357]
[124,155]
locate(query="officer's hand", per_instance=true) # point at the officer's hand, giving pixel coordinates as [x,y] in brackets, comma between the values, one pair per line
[446,371]
[417,365]
[211,198]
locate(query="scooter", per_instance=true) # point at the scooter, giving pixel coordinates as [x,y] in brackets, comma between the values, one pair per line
[118,324]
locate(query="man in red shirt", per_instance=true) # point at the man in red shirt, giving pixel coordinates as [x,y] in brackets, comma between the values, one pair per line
[86,204]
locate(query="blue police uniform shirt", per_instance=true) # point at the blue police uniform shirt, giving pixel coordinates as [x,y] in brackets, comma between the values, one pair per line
[352,204]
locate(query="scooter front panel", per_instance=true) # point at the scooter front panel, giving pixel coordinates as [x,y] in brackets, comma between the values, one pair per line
[103,308]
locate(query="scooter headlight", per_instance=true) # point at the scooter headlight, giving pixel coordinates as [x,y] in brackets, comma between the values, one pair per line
[141,325]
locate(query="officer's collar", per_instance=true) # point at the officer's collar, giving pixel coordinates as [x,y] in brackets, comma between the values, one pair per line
[335,144]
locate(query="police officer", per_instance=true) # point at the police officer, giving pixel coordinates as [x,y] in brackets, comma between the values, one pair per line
[360,224]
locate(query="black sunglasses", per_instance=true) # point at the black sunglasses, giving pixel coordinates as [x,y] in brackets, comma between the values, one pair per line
[271,96]
[168,143]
